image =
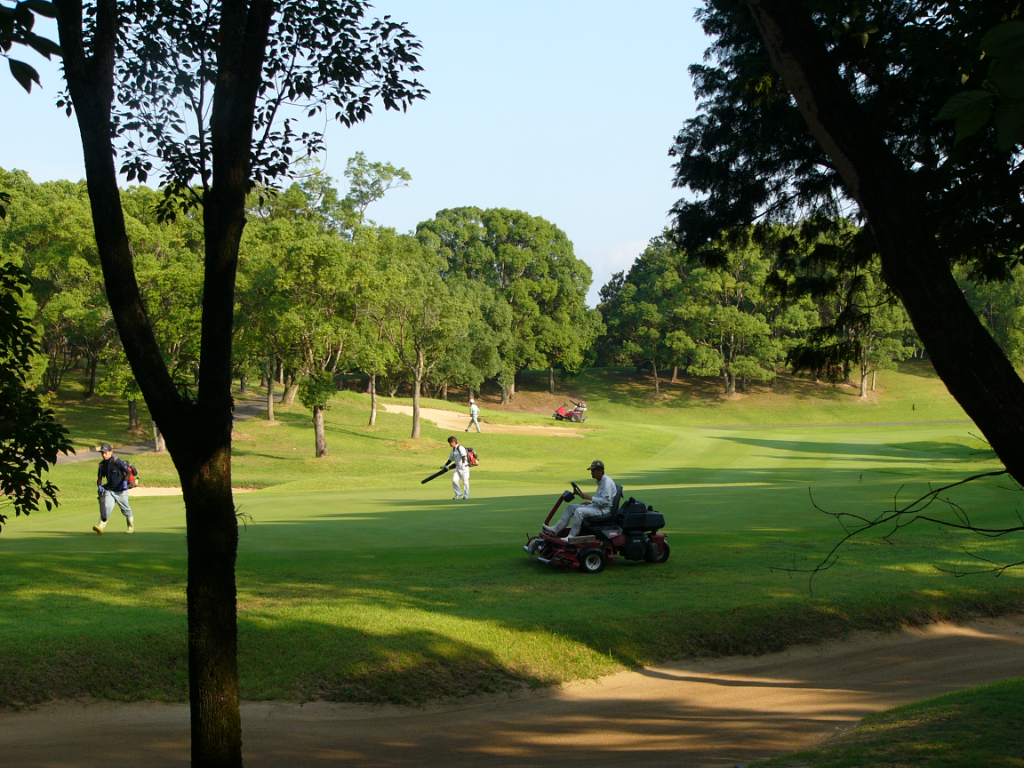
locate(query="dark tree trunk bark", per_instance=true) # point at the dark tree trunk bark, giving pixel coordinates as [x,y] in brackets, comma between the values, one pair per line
[675,374]
[654,370]
[318,430]
[968,360]
[198,434]
[134,425]
[551,380]
[512,388]
[373,399]
[243,384]
[730,383]
[504,395]
[874,375]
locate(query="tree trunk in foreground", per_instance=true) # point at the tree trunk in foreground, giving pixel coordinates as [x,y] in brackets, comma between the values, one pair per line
[198,433]
[968,360]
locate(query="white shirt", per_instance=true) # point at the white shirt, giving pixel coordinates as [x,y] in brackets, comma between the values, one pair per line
[474,411]
[458,456]
[604,496]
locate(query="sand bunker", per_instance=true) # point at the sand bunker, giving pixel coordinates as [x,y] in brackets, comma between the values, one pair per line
[458,422]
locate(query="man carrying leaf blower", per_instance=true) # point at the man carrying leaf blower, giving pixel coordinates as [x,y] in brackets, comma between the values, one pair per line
[460,459]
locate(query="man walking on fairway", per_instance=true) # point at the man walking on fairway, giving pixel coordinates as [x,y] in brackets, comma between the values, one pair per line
[460,459]
[474,413]
[112,485]
[600,503]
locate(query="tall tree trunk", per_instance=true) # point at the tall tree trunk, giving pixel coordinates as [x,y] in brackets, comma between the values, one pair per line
[159,445]
[970,363]
[417,383]
[270,390]
[675,374]
[863,382]
[512,388]
[874,375]
[134,425]
[198,434]
[243,384]
[318,430]
[280,372]
[373,398]
[212,609]
[504,395]
[551,379]
[730,383]
[444,391]
[654,370]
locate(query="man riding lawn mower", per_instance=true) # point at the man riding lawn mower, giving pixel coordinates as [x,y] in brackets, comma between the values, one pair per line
[601,531]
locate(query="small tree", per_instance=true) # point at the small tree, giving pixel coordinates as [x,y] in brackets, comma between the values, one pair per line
[315,393]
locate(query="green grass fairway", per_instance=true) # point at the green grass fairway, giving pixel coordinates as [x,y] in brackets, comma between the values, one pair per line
[356,583]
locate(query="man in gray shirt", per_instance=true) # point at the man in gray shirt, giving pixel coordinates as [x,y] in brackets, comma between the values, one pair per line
[600,503]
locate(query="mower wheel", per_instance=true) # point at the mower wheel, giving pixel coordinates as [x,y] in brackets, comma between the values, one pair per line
[591,560]
[659,558]
[574,418]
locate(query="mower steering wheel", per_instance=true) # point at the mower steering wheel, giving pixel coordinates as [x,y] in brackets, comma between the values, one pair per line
[576,490]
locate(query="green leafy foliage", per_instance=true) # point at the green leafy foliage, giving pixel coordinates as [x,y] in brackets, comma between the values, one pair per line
[1001,96]
[747,156]
[30,437]
[16,24]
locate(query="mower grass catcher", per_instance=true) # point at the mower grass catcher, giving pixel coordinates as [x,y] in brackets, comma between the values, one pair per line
[630,530]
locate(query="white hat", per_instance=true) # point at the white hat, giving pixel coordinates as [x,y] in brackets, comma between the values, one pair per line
[471,400]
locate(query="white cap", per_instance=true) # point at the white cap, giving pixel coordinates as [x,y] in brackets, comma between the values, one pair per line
[471,400]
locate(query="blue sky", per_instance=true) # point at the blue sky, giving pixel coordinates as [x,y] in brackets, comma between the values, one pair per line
[564,109]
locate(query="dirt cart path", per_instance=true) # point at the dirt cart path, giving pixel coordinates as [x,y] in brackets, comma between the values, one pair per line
[458,421]
[710,713]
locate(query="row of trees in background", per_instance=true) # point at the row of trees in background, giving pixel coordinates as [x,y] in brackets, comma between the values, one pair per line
[473,295]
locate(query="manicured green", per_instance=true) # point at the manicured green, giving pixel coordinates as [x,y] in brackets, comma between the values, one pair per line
[978,727]
[358,583]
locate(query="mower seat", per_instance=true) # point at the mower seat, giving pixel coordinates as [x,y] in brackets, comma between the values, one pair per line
[608,519]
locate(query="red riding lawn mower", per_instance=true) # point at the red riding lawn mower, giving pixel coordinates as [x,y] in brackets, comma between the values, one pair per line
[576,415]
[630,530]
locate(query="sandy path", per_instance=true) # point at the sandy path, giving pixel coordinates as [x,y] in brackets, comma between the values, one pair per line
[708,713]
[458,421]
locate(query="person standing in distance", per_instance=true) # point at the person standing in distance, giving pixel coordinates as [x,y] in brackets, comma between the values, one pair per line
[474,414]
[600,503]
[459,458]
[112,484]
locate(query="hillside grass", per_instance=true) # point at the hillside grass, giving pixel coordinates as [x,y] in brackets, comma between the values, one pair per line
[357,583]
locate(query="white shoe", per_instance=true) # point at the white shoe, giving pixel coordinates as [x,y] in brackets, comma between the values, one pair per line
[457,498]
[98,529]
[549,530]
[131,528]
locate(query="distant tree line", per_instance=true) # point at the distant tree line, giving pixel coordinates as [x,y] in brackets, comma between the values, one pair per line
[473,295]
